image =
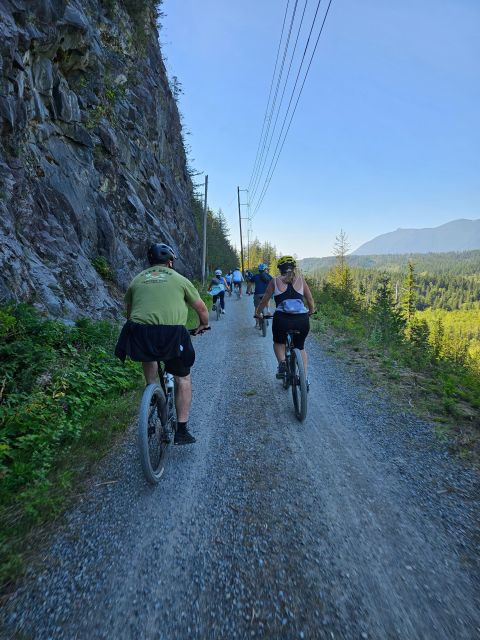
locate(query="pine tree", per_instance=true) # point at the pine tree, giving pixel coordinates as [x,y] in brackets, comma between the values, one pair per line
[409,297]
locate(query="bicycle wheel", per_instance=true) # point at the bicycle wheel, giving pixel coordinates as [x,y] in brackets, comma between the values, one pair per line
[152,442]
[264,327]
[299,385]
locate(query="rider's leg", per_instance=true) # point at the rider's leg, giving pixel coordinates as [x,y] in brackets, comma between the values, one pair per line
[279,349]
[214,301]
[305,360]
[222,299]
[150,371]
[183,397]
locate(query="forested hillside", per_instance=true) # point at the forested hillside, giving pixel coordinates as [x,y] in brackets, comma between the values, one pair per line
[443,281]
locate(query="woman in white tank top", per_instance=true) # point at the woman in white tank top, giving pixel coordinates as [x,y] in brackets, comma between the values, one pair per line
[289,291]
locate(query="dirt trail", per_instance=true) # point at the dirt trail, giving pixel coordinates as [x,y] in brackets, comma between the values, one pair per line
[354,524]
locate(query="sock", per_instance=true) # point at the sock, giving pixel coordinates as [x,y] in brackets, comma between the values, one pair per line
[182,426]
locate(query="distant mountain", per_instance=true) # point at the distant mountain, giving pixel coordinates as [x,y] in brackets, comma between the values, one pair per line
[459,235]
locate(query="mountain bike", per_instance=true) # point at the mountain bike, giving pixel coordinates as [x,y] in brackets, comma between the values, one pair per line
[218,309]
[294,375]
[238,291]
[263,324]
[157,424]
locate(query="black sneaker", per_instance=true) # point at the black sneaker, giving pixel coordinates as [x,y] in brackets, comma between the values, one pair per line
[282,369]
[214,307]
[183,437]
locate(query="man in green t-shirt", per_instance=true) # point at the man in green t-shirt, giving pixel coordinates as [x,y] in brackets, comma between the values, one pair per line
[157,309]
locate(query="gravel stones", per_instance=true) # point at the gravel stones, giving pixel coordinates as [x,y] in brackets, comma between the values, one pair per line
[268,528]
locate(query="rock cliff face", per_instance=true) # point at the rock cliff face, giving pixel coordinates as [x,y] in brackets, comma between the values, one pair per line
[92,163]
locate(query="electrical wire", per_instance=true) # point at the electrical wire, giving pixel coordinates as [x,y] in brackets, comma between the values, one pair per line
[270,92]
[281,99]
[276,155]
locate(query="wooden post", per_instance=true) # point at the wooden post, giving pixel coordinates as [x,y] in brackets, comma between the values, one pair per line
[240,223]
[204,249]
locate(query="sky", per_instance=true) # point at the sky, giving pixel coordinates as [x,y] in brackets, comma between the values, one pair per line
[387,129]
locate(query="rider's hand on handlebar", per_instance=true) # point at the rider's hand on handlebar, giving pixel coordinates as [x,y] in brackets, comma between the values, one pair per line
[201,329]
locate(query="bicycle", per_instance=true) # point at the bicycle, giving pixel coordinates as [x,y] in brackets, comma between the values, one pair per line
[238,290]
[294,375]
[218,309]
[157,424]
[263,324]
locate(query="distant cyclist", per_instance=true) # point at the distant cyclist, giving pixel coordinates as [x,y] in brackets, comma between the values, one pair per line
[157,309]
[237,279]
[289,291]
[248,279]
[218,286]
[228,278]
[260,281]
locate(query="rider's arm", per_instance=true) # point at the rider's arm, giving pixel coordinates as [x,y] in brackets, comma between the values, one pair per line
[202,312]
[266,297]
[308,296]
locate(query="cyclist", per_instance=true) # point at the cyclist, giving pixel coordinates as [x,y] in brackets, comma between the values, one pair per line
[228,278]
[157,307]
[248,280]
[288,291]
[260,280]
[218,286]
[237,279]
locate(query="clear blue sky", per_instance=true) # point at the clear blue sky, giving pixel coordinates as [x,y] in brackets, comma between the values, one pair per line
[387,131]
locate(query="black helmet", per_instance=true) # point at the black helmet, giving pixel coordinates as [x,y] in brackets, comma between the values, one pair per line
[160,253]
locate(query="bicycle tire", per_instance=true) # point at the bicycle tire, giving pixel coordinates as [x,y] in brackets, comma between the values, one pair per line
[299,385]
[264,327]
[152,444]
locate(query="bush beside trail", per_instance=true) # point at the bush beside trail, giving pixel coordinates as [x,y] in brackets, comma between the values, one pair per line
[60,387]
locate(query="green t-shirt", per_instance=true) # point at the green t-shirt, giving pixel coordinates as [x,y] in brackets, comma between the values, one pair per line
[160,295]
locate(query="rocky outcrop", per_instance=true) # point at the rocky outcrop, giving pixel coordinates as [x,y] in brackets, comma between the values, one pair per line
[92,162]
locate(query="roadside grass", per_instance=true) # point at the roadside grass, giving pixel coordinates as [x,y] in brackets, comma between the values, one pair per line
[23,531]
[440,391]
[63,397]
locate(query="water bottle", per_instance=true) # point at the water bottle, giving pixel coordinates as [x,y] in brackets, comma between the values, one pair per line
[169,382]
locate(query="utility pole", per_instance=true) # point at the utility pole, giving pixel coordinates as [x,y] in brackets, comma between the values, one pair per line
[204,249]
[240,222]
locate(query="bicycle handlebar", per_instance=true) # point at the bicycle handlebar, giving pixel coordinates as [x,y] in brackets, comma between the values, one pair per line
[192,331]
[268,317]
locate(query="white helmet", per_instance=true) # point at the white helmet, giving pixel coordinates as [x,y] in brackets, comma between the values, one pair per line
[218,272]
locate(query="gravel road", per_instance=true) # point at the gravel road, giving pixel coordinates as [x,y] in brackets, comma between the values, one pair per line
[354,524]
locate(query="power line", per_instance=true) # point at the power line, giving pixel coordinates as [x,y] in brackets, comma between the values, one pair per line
[270,92]
[275,160]
[292,94]
[272,109]
[281,100]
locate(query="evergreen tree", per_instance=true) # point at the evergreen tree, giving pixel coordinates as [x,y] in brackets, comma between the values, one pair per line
[409,297]
[387,321]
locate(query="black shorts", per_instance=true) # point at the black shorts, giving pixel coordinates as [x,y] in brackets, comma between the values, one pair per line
[176,367]
[283,322]
[169,344]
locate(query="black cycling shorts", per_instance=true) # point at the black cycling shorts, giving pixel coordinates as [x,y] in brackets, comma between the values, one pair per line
[283,322]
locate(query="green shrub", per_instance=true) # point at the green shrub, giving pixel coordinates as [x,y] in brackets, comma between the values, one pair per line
[102,267]
[52,377]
